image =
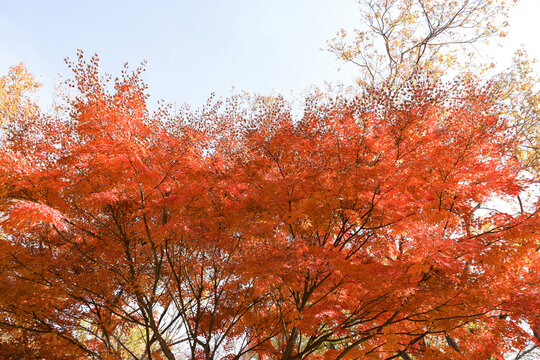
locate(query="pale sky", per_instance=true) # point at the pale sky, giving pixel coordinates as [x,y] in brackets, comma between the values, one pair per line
[194,48]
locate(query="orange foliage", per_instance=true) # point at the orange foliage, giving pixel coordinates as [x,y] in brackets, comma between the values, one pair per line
[362,230]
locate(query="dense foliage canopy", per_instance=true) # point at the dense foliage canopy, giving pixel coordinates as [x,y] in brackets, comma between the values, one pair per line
[389,225]
[398,221]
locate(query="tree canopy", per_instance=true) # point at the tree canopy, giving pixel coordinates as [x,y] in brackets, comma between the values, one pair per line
[396,222]
[365,229]
[16,103]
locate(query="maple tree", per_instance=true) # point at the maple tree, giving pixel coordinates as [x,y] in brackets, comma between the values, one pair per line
[365,229]
[399,40]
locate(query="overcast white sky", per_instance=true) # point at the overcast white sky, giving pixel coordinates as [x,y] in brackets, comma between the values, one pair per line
[196,47]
